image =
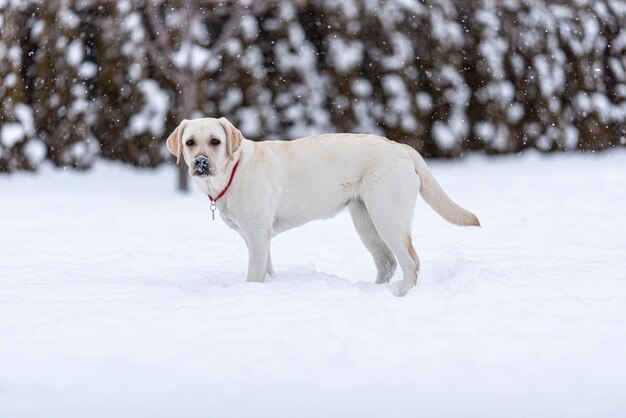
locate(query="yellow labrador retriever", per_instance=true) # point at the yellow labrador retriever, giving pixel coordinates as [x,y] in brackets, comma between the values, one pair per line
[265,188]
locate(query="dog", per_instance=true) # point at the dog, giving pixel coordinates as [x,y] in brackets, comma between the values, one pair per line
[264,188]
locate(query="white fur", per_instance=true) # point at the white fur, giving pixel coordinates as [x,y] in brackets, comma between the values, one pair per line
[281,185]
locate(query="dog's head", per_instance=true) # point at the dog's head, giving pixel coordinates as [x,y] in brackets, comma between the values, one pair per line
[206,145]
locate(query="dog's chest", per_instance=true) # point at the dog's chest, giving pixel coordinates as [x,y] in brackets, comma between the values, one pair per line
[229,220]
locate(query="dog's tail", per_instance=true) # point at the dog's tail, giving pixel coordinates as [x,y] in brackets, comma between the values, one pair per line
[434,195]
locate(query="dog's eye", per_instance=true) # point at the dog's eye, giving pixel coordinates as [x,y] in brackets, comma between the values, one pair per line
[215,141]
[190,143]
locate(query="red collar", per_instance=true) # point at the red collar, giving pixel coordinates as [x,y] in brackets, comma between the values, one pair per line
[232,175]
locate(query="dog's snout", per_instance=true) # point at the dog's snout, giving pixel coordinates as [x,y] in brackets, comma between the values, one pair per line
[201,165]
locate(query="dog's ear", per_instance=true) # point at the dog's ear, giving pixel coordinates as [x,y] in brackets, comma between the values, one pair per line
[233,137]
[174,142]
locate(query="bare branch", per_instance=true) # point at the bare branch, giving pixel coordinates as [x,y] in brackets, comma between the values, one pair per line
[159,28]
[229,28]
[186,35]
[232,24]
[163,64]
[158,44]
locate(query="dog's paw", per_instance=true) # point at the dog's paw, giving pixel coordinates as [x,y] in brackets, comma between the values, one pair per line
[404,289]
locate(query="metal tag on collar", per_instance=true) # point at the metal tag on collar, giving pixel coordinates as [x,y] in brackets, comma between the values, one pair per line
[213,207]
[230,180]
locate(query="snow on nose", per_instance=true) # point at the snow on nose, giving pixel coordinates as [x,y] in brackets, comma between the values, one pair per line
[201,165]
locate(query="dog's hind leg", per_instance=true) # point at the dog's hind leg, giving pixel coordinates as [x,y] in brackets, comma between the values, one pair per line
[383,257]
[270,268]
[390,206]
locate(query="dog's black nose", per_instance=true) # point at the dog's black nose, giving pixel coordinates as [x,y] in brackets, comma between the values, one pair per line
[201,165]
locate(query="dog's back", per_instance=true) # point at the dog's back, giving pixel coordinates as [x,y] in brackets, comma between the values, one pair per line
[333,169]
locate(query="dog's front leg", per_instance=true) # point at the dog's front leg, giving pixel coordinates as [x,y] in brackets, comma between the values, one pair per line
[258,254]
[270,268]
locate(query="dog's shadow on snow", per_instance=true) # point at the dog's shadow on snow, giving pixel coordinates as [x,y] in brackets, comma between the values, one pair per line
[460,274]
[304,280]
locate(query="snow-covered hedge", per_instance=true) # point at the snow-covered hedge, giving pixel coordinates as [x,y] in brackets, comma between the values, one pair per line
[81,79]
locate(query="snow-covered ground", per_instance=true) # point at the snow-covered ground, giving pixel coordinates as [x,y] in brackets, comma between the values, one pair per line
[119,297]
